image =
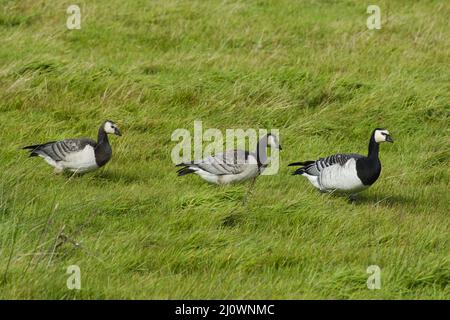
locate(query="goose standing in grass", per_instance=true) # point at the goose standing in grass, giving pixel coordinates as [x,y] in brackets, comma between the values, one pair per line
[77,155]
[233,165]
[346,173]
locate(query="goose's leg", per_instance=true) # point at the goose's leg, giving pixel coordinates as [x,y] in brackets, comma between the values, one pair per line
[250,188]
[58,170]
[353,197]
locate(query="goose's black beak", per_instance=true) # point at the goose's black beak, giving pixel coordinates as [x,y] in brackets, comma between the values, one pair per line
[117,132]
[389,139]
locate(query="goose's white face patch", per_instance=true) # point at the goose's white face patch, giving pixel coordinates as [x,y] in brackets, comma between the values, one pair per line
[109,127]
[272,141]
[380,135]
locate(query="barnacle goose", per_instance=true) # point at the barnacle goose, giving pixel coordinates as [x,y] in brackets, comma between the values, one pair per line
[346,173]
[77,155]
[233,165]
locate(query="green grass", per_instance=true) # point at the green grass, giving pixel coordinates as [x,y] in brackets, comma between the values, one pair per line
[311,69]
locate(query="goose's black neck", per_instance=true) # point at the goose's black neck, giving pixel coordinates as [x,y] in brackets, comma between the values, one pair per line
[103,150]
[374,148]
[369,168]
[102,137]
[261,152]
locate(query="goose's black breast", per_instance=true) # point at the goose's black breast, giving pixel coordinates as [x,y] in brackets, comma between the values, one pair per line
[368,170]
[103,153]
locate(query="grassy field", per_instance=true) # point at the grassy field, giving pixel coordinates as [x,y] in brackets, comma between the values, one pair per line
[311,69]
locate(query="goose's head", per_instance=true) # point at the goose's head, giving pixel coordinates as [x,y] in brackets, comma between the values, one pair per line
[382,135]
[111,128]
[273,142]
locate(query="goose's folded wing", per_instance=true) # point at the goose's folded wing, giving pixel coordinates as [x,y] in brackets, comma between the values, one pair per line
[59,150]
[337,159]
[230,162]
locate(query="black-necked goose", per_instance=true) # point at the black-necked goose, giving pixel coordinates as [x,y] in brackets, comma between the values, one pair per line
[347,173]
[233,165]
[77,155]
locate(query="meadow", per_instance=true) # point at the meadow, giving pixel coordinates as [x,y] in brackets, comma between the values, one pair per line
[311,69]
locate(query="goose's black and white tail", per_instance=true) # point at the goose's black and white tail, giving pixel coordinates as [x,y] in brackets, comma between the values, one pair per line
[36,149]
[185,169]
[302,169]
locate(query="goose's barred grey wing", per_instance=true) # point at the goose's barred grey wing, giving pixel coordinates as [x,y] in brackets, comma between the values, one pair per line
[230,162]
[315,167]
[58,150]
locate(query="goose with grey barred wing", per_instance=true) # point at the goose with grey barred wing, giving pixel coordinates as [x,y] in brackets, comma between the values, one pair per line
[347,173]
[233,165]
[77,155]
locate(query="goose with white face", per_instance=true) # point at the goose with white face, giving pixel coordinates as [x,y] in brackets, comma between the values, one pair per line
[233,165]
[382,135]
[346,172]
[80,154]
